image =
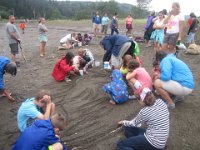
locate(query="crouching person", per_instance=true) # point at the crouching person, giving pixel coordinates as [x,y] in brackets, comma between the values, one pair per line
[155,115]
[117,88]
[42,135]
[39,107]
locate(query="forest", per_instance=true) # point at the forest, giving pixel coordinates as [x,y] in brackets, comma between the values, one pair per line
[52,9]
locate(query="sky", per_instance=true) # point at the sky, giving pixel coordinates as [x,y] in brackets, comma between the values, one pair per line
[187,6]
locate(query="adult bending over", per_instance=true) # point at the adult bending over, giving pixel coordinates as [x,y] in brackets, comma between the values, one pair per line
[175,78]
[155,115]
[116,46]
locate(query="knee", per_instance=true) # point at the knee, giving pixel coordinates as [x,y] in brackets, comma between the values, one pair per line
[157,83]
[57,146]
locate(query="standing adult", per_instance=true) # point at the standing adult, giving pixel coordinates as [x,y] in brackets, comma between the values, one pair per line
[116,46]
[42,36]
[96,23]
[104,22]
[175,24]
[6,67]
[129,25]
[13,38]
[114,24]
[192,29]
[149,28]
[175,78]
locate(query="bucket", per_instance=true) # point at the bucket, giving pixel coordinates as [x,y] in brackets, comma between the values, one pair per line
[79,44]
[106,65]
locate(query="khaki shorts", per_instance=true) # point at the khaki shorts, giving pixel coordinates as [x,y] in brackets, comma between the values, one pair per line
[175,88]
[97,26]
[14,48]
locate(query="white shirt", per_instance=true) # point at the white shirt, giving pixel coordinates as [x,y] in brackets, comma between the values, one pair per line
[67,38]
[173,23]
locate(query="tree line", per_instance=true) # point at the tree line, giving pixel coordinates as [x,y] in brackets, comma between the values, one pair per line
[52,9]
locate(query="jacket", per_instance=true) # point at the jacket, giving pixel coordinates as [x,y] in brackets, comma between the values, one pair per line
[61,69]
[3,62]
[173,68]
[38,136]
[112,45]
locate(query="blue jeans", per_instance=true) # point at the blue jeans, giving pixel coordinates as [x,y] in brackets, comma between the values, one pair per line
[135,140]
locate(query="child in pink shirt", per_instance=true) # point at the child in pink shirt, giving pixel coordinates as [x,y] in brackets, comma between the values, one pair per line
[137,77]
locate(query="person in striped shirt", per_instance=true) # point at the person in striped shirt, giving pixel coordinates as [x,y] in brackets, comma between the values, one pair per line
[155,115]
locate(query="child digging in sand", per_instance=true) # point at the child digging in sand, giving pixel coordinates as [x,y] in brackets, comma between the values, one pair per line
[117,88]
[124,67]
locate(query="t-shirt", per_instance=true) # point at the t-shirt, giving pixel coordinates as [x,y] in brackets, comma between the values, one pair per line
[41,28]
[143,77]
[67,38]
[105,20]
[10,28]
[129,20]
[173,24]
[27,111]
[158,22]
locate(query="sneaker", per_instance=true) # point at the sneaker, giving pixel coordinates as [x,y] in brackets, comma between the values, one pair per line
[171,106]
[178,99]
[132,97]
[68,79]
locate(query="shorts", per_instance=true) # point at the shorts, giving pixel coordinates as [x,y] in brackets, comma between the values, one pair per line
[14,48]
[43,38]
[190,38]
[171,39]
[97,26]
[117,61]
[175,88]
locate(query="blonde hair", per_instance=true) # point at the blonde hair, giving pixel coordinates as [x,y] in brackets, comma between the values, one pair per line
[81,52]
[59,121]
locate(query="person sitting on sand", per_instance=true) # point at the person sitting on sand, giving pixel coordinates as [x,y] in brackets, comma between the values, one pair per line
[43,135]
[155,115]
[137,77]
[39,107]
[116,46]
[79,37]
[88,56]
[79,63]
[86,39]
[63,68]
[68,41]
[175,78]
[117,88]
[6,66]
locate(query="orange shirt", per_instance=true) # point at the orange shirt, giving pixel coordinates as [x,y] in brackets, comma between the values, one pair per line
[129,20]
[22,25]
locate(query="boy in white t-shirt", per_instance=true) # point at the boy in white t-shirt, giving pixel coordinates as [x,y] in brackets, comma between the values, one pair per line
[175,24]
[67,41]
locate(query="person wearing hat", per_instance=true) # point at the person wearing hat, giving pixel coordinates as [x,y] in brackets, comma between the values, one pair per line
[155,115]
[6,66]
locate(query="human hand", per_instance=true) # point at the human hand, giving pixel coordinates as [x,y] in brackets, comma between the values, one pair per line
[47,99]
[120,123]
[18,40]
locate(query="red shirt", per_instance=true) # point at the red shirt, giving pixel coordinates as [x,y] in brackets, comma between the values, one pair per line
[189,21]
[61,69]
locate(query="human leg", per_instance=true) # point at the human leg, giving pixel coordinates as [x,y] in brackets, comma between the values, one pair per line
[52,108]
[14,51]
[42,48]
[133,131]
[112,31]
[56,146]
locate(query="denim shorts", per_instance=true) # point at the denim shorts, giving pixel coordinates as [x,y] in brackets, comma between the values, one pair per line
[190,38]
[43,38]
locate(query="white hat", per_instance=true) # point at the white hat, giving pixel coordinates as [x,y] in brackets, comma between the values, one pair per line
[144,93]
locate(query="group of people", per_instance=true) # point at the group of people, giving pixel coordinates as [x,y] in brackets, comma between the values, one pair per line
[100,24]
[156,92]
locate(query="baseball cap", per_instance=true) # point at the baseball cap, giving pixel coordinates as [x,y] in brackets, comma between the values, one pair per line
[144,93]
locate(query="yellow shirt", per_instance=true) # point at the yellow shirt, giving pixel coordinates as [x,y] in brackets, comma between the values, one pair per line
[123,70]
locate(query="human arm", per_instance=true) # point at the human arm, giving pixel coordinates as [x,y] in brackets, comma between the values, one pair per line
[130,75]
[140,118]
[166,20]
[181,27]
[13,33]
[65,67]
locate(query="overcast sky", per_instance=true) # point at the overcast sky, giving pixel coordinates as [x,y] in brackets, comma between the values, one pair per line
[187,6]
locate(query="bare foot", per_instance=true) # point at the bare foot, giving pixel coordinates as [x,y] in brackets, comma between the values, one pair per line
[112,102]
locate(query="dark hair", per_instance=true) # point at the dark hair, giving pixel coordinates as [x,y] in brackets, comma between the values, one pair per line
[149,99]
[11,68]
[126,60]
[164,11]
[160,55]
[155,63]
[133,64]
[59,121]
[83,62]
[192,15]
[42,93]
[69,56]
